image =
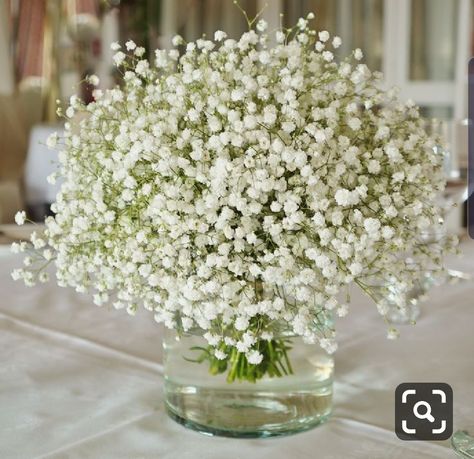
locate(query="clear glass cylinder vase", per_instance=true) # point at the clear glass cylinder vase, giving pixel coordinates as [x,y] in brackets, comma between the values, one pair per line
[270,406]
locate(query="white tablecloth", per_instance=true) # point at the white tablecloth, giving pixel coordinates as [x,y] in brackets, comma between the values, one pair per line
[77,381]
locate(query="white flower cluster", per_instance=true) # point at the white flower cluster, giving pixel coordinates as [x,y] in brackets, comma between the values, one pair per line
[232,185]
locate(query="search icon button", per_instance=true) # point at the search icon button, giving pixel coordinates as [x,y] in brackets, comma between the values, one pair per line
[427,414]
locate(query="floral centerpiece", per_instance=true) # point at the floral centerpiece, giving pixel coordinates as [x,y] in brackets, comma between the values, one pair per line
[233,185]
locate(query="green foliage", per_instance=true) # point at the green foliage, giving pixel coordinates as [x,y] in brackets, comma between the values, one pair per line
[275,361]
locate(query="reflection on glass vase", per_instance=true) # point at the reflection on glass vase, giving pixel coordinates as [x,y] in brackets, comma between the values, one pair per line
[296,400]
[463,442]
[398,304]
[403,307]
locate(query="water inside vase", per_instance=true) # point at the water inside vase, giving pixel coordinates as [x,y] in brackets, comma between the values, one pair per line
[269,407]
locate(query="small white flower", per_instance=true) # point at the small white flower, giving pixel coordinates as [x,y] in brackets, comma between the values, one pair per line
[374,166]
[354,123]
[288,127]
[220,355]
[398,177]
[142,67]
[262,25]
[229,341]
[323,36]
[387,232]
[130,45]
[52,140]
[302,23]
[264,57]
[93,80]
[241,323]
[328,56]
[267,336]
[342,310]
[213,340]
[20,217]
[27,261]
[219,35]
[39,243]
[254,357]
[280,36]
[371,225]
[139,51]
[15,247]
[119,58]
[393,333]
[393,153]
[382,132]
[51,179]
[177,40]
[115,46]
[17,274]
[97,94]
[336,42]
[319,46]
[355,268]
[358,55]
[329,345]
[346,198]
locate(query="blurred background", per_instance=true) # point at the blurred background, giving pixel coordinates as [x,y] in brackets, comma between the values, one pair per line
[48,46]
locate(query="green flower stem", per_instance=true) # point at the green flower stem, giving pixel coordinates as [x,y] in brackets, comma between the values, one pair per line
[234,361]
[275,361]
[287,360]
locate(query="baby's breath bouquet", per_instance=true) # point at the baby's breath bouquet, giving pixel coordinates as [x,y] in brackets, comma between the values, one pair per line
[232,185]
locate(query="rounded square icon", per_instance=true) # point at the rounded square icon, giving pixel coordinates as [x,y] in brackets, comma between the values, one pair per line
[424,411]
[470,198]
